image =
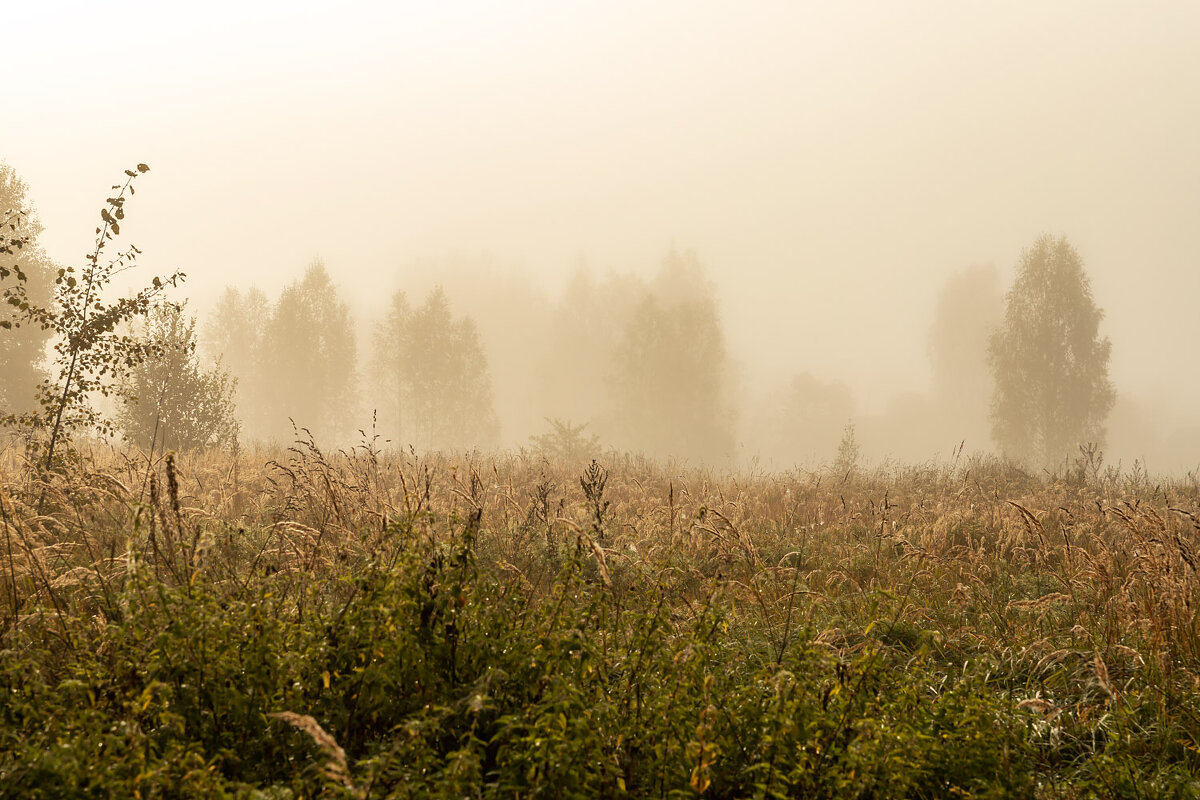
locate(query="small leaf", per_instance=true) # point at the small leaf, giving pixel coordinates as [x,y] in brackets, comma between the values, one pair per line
[142,168]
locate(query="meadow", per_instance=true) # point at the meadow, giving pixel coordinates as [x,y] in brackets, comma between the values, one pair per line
[369,624]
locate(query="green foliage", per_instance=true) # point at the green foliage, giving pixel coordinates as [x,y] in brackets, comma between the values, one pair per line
[90,352]
[438,678]
[22,261]
[328,644]
[1049,363]
[170,401]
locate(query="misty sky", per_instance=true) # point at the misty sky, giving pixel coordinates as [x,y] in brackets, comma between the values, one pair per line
[831,163]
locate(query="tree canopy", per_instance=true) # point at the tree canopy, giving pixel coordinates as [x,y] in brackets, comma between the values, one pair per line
[172,402]
[672,369]
[433,371]
[1048,360]
[306,360]
[969,308]
[22,347]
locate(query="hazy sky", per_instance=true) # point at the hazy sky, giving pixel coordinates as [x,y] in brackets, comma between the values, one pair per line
[831,163]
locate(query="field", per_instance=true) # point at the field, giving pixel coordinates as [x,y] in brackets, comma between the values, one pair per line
[366,624]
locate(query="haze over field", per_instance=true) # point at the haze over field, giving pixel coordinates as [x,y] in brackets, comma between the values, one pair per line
[831,166]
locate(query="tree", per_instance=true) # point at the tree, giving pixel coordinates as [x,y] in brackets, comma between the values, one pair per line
[235,329]
[307,360]
[391,353]
[90,352]
[579,356]
[566,443]
[22,348]
[1049,364]
[672,374]
[493,295]
[969,308]
[170,401]
[233,335]
[432,369]
[848,453]
[802,420]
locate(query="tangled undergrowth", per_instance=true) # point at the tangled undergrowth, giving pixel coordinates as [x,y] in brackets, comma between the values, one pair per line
[304,624]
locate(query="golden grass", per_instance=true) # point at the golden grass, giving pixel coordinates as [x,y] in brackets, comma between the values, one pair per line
[984,556]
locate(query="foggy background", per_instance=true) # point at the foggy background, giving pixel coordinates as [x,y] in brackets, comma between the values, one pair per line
[834,168]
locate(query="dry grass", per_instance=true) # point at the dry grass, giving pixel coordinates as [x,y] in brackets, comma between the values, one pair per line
[986,556]
[1085,592]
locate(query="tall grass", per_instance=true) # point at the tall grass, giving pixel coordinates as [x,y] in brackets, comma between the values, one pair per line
[303,623]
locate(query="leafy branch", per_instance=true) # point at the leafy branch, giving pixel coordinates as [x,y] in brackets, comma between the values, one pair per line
[12,241]
[90,353]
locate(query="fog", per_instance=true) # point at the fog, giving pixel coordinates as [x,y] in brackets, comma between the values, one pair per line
[826,174]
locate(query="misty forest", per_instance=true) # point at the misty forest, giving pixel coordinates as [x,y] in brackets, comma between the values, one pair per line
[814,442]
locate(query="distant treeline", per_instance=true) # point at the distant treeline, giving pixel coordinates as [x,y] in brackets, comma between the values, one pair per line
[643,365]
[478,359]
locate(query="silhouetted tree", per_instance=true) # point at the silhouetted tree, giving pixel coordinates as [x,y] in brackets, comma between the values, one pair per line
[306,362]
[170,401]
[433,369]
[803,421]
[969,308]
[511,316]
[90,351]
[848,453]
[233,334]
[672,369]
[566,443]
[586,332]
[390,364]
[1049,363]
[235,329]
[22,347]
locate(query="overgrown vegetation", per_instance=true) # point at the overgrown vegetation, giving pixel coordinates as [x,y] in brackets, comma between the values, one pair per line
[565,623]
[22,261]
[1049,362]
[170,401]
[301,624]
[431,372]
[91,351]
